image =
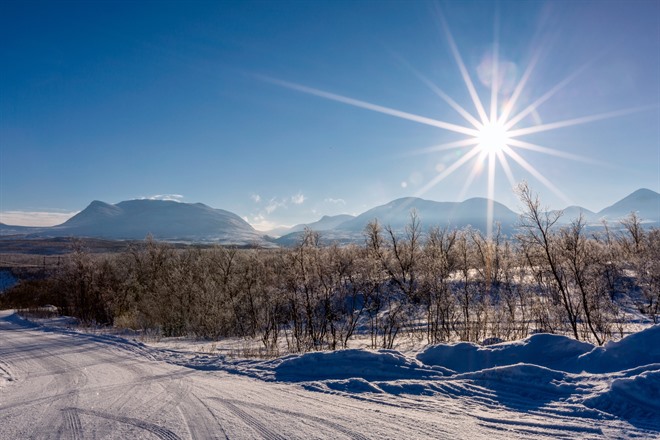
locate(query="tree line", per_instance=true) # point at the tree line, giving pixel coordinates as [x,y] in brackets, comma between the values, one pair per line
[437,285]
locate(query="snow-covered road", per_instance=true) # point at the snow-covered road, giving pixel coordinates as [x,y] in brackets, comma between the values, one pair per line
[59,384]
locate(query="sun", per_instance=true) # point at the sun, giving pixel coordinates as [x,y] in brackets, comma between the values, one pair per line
[493,137]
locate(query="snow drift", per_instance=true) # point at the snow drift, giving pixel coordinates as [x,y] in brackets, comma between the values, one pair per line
[550,351]
[635,398]
[545,373]
[371,366]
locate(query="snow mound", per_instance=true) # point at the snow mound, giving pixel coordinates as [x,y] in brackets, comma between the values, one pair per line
[354,385]
[635,350]
[546,350]
[523,385]
[634,398]
[550,351]
[371,366]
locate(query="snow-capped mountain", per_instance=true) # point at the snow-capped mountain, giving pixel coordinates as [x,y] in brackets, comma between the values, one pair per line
[396,214]
[644,202]
[451,214]
[326,223]
[164,220]
[176,221]
[472,212]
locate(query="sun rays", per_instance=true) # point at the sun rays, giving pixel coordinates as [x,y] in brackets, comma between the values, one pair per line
[493,131]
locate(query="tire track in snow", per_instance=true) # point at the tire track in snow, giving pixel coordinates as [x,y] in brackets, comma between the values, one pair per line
[162,405]
[519,428]
[72,426]
[569,418]
[407,424]
[159,431]
[6,373]
[250,420]
[333,425]
[134,347]
[68,379]
[198,426]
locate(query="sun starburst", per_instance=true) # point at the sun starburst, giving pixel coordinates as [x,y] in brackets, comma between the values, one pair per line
[492,136]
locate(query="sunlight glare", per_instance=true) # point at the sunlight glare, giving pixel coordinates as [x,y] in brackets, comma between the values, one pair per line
[492,137]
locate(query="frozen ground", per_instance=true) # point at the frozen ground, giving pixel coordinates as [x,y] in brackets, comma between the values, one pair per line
[59,383]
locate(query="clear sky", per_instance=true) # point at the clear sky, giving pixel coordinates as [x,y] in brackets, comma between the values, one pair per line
[284,111]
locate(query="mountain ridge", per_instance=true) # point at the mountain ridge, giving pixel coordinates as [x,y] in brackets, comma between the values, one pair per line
[197,222]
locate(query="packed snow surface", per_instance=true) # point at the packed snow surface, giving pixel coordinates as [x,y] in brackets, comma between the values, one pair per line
[63,383]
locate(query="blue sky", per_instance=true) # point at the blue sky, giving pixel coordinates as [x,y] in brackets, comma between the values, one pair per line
[226,103]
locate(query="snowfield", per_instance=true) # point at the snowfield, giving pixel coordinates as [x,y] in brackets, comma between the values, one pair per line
[61,383]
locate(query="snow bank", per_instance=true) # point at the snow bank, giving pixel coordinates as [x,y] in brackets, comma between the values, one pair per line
[639,349]
[519,385]
[635,398]
[546,350]
[550,351]
[371,366]
[354,385]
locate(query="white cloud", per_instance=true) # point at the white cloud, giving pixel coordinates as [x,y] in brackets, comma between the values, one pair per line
[168,197]
[271,206]
[335,201]
[274,204]
[298,199]
[34,218]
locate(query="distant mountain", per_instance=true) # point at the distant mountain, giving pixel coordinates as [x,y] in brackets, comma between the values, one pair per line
[452,214]
[397,215]
[9,230]
[164,220]
[571,213]
[278,231]
[644,202]
[326,223]
[175,221]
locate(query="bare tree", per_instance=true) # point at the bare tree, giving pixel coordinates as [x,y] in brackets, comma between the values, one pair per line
[438,261]
[581,257]
[537,235]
